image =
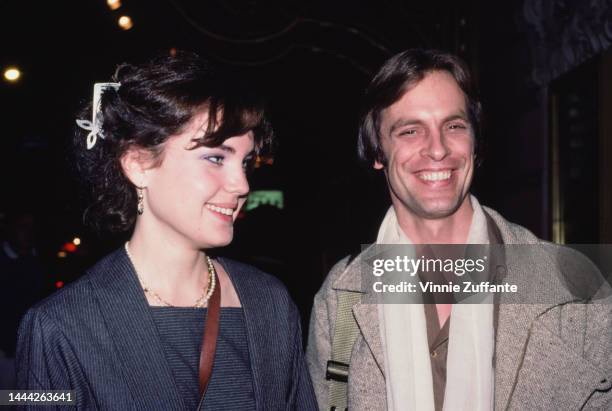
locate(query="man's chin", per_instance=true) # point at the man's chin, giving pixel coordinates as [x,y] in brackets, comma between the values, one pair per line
[437,210]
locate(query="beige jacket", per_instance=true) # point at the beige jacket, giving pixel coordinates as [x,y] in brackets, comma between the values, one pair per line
[547,356]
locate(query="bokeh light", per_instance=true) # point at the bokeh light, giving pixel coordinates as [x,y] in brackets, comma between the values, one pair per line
[12,74]
[113,4]
[125,22]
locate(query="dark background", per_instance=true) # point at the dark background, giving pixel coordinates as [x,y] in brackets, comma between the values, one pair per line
[544,70]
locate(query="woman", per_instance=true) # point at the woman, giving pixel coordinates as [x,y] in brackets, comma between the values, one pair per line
[166,154]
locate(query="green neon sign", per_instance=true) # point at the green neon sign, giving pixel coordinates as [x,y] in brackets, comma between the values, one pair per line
[273,198]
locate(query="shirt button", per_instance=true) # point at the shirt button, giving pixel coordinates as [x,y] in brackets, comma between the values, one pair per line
[434,354]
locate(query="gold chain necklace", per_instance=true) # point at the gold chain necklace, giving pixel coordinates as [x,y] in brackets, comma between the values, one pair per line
[200,302]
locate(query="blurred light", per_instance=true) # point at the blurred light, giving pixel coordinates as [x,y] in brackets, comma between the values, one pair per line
[61,254]
[76,241]
[259,161]
[12,74]
[274,198]
[125,22]
[113,4]
[59,284]
[172,52]
[70,247]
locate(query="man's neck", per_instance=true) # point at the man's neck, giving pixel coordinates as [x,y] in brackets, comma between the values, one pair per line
[453,229]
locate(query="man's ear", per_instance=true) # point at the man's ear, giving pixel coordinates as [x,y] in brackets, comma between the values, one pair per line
[135,162]
[379,159]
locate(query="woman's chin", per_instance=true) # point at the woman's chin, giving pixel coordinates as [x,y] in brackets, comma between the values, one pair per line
[215,243]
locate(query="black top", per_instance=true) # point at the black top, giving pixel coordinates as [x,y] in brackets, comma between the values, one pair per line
[231,384]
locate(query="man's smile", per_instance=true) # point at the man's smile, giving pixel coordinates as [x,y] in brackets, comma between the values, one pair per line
[439,175]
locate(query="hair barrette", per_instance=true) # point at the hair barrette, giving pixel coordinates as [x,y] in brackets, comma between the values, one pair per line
[95,125]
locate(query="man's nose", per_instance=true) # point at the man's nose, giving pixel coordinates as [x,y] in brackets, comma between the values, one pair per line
[436,147]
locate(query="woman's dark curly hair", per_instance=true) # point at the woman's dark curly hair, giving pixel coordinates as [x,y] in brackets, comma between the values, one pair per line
[157,100]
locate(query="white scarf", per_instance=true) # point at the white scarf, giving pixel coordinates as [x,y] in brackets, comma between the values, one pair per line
[469,364]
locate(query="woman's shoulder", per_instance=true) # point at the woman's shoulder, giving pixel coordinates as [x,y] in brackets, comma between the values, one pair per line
[246,275]
[58,315]
[71,296]
[77,298]
[253,284]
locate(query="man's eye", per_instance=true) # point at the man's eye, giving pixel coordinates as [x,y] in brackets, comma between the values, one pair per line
[457,126]
[409,132]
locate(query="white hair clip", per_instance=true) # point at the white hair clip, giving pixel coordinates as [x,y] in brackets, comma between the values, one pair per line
[95,125]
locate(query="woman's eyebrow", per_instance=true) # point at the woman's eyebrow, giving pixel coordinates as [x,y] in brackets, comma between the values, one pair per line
[227,149]
[232,150]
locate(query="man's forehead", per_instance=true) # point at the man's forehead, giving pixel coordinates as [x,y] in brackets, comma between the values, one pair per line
[437,94]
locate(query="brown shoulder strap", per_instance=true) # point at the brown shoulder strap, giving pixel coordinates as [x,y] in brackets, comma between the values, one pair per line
[209,342]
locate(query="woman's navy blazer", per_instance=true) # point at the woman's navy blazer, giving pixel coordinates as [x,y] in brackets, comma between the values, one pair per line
[97,337]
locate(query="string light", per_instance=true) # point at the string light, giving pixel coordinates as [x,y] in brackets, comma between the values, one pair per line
[282,32]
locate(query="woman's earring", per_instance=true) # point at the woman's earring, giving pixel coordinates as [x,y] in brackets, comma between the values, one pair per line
[140,207]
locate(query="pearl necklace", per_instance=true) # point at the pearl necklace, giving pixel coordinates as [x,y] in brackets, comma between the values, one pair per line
[200,302]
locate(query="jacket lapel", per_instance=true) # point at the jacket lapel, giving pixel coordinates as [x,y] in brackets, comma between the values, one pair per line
[366,316]
[366,312]
[125,313]
[254,321]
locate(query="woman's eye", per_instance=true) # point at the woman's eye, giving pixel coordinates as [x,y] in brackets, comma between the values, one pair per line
[215,159]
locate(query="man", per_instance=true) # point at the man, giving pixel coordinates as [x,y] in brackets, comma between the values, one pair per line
[421,126]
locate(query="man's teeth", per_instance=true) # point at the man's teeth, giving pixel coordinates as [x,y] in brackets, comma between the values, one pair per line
[435,176]
[226,211]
